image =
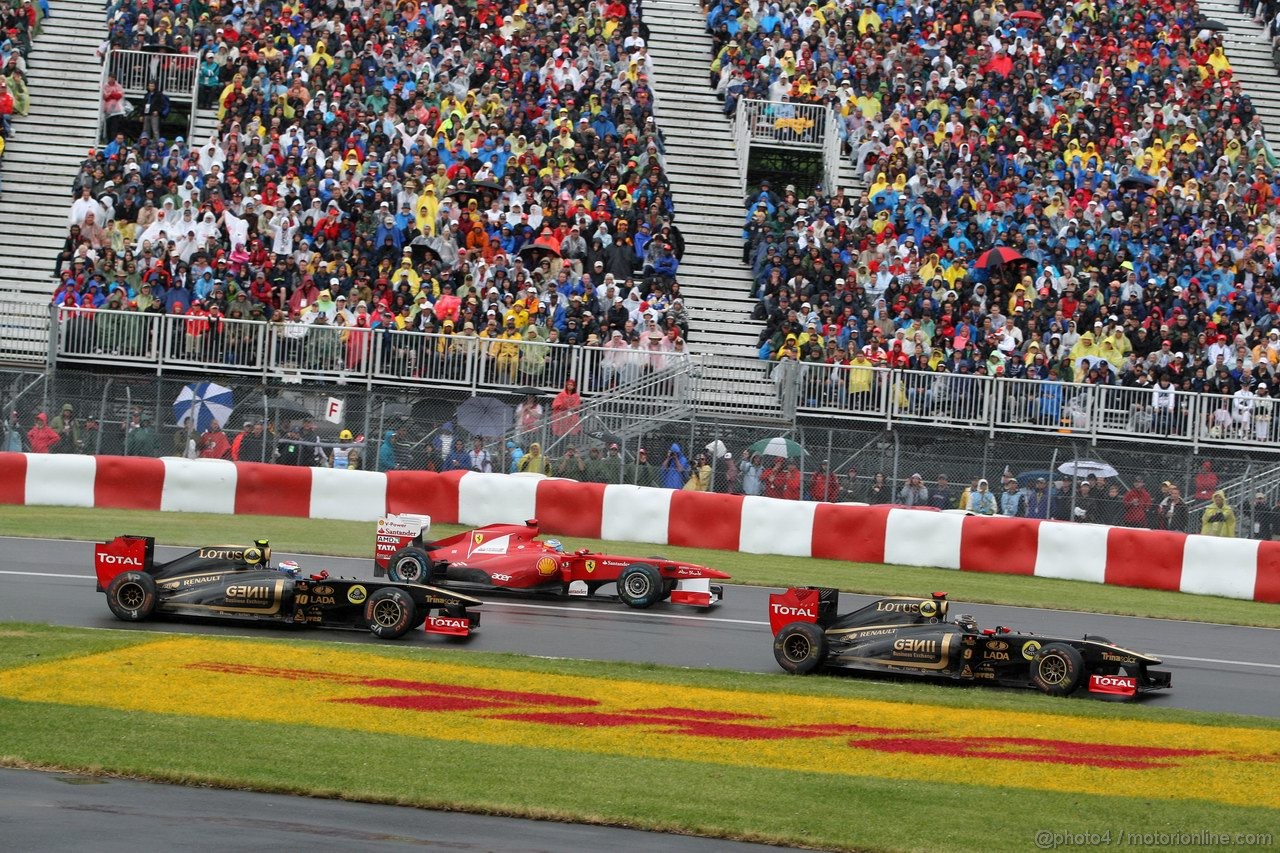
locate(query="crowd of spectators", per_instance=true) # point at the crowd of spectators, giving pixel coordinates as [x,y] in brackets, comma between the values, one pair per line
[19,25]
[1108,146]
[490,174]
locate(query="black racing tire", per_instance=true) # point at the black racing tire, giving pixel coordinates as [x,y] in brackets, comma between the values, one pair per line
[668,587]
[1057,669]
[640,586]
[800,647]
[389,613]
[132,596]
[409,565]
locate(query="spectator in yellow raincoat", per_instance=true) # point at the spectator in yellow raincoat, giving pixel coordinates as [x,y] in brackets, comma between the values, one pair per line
[1219,519]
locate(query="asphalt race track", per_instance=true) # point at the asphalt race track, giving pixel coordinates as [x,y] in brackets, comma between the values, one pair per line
[60,811]
[1215,667]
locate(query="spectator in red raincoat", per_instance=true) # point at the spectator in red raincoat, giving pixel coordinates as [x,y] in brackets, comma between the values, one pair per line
[564,410]
[1206,482]
[214,444]
[823,485]
[41,438]
[792,482]
[1137,506]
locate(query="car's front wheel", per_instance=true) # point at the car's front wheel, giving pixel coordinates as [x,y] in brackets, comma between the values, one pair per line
[132,596]
[409,565]
[389,613]
[800,647]
[640,586]
[1057,669]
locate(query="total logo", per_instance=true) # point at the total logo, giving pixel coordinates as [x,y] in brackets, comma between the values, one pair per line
[790,610]
[115,560]
[1115,685]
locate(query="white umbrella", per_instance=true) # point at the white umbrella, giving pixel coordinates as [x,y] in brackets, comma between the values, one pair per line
[717,448]
[203,403]
[1085,467]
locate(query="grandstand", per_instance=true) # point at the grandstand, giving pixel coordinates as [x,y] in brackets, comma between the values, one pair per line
[1023,221]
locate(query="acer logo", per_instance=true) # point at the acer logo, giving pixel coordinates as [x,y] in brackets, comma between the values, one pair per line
[788,610]
[114,560]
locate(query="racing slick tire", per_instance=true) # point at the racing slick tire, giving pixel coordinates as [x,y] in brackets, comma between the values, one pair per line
[800,647]
[132,596]
[389,613]
[1057,669]
[640,586]
[409,565]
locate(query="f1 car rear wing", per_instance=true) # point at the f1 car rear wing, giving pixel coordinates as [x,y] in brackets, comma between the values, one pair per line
[123,554]
[817,604]
[397,531]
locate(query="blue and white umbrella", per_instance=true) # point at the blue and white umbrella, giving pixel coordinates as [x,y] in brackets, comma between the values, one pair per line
[203,403]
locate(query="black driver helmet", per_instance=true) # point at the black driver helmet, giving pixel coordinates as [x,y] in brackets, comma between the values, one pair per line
[259,554]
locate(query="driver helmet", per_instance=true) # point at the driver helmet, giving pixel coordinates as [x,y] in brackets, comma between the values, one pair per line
[554,545]
[259,553]
[290,568]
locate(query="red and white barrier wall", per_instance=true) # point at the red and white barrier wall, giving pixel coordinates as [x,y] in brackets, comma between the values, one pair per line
[1235,568]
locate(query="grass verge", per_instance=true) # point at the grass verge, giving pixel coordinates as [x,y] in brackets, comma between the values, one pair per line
[397,757]
[355,539]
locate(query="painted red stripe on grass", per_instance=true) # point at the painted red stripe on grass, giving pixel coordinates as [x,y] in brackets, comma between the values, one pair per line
[570,508]
[1151,559]
[705,520]
[853,533]
[1005,546]
[13,478]
[124,482]
[263,489]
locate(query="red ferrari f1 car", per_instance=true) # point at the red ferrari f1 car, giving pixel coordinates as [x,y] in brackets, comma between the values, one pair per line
[511,557]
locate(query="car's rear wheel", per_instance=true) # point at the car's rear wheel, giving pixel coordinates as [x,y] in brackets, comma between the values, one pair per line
[1057,669]
[389,613]
[640,586]
[800,647]
[132,596]
[409,565]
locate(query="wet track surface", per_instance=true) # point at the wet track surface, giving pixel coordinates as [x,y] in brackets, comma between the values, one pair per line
[64,812]
[1215,667]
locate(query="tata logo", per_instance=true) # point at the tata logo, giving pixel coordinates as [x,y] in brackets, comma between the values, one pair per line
[997,645]
[114,560]
[789,610]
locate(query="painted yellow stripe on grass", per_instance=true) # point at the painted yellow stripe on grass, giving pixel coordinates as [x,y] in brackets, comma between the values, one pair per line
[274,682]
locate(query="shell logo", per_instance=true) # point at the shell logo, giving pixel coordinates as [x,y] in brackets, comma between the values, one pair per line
[547,566]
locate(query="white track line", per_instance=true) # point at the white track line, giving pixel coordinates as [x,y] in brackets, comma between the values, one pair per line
[48,575]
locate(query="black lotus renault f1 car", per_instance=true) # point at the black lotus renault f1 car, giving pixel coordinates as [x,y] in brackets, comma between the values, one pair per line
[234,582]
[912,636]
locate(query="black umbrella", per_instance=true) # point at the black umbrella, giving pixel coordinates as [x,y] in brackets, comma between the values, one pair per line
[583,179]
[1212,26]
[526,391]
[1138,181]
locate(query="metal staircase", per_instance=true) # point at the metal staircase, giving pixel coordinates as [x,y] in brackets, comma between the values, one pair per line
[51,142]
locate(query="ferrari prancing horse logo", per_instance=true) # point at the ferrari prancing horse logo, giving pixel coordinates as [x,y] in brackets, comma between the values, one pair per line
[590,566]
[479,538]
